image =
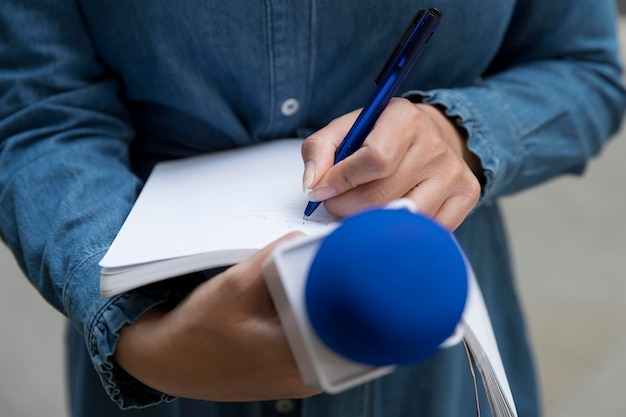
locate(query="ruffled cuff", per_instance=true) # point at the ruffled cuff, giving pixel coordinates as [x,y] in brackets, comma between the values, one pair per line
[100,320]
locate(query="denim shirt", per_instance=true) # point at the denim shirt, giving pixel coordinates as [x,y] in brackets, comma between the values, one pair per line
[93,93]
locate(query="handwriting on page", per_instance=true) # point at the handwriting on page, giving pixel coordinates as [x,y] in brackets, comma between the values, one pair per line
[289,222]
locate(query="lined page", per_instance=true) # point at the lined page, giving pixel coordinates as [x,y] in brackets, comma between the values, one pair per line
[238,199]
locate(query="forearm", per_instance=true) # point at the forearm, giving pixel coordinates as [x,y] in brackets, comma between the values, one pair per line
[223,342]
[65,182]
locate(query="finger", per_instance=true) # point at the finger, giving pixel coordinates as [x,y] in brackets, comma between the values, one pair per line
[318,150]
[255,262]
[453,211]
[449,208]
[412,170]
[380,155]
[247,277]
[427,198]
[372,194]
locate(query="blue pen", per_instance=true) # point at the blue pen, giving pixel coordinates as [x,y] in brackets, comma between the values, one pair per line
[397,67]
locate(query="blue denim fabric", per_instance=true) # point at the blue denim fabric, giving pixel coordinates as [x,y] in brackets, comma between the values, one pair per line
[93,93]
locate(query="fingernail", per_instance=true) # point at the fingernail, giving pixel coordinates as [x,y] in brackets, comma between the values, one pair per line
[309,175]
[322,193]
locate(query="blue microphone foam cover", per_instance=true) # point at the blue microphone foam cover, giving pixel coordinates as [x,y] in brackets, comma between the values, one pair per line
[387,287]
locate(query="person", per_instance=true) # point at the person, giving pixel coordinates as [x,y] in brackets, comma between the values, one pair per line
[507,95]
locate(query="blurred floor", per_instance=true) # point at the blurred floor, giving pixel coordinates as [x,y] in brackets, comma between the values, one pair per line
[569,241]
[31,352]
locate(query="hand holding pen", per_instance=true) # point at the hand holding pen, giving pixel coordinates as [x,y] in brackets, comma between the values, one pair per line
[412,150]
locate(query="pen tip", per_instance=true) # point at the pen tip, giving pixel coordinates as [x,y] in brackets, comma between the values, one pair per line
[305,217]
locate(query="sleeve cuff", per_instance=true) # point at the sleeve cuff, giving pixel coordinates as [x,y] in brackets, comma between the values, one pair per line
[121,387]
[100,320]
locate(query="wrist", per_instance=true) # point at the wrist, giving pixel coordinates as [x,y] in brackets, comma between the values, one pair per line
[139,352]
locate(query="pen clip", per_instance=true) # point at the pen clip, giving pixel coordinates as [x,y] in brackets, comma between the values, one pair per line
[398,47]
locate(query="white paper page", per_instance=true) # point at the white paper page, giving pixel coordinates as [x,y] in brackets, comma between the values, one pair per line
[241,199]
[479,331]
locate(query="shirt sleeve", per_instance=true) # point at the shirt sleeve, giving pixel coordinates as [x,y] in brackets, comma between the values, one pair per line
[65,182]
[551,98]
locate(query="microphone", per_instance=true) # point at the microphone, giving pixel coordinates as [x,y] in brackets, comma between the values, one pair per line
[386,287]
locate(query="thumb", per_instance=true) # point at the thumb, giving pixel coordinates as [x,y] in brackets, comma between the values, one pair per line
[318,150]
[249,274]
[255,262]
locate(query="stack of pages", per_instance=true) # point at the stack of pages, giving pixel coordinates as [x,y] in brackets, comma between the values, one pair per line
[209,211]
[481,342]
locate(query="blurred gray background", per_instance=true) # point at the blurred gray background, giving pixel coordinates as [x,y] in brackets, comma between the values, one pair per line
[569,243]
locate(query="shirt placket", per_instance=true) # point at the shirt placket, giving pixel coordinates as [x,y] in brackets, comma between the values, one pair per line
[290,52]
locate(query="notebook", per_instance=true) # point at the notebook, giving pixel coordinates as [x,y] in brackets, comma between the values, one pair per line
[209,211]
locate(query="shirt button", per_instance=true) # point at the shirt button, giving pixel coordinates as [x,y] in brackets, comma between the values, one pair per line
[290,107]
[284,406]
